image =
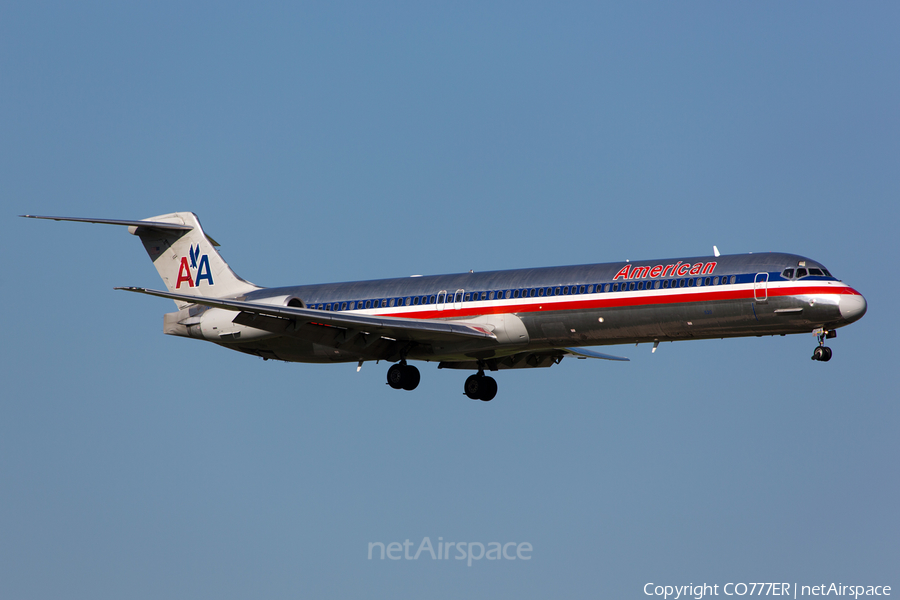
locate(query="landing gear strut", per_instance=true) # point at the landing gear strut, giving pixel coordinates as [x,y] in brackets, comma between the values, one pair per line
[481,387]
[403,376]
[822,352]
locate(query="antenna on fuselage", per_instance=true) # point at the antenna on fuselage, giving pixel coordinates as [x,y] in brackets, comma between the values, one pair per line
[715,251]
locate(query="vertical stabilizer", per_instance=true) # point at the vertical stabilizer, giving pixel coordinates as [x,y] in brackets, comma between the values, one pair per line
[187,259]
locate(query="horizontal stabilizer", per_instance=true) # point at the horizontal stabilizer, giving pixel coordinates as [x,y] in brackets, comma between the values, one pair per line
[147,224]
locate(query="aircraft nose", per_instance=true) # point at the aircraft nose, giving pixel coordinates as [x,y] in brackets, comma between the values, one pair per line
[853,306]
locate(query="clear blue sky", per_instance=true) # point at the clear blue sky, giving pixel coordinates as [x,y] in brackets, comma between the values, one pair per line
[358,140]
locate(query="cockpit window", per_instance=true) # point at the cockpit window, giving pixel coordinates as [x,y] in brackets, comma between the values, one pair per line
[787,273]
[827,274]
[813,271]
[801,273]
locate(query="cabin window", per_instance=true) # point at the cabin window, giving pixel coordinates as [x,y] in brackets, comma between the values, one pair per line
[733,278]
[656,284]
[490,295]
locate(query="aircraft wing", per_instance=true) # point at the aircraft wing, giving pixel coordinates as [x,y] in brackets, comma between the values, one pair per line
[421,330]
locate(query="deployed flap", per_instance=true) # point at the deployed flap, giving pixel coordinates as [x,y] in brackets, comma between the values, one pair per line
[582,353]
[392,327]
[525,360]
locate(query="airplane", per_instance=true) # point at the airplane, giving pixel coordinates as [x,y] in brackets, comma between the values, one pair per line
[491,321]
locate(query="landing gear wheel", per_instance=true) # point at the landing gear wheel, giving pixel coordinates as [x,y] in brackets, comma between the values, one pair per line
[473,386]
[410,377]
[479,387]
[395,376]
[403,377]
[489,389]
[822,353]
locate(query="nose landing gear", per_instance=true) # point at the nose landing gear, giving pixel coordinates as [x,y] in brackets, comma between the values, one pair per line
[822,352]
[403,376]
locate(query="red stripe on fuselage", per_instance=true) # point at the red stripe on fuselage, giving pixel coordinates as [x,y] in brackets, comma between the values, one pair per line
[642,298]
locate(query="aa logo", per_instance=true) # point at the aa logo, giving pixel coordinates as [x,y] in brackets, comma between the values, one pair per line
[195,272]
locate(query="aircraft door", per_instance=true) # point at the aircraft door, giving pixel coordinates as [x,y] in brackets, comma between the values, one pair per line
[458,298]
[761,287]
[441,299]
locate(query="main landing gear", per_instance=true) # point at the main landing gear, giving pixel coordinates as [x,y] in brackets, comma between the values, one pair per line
[403,376]
[481,387]
[822,352]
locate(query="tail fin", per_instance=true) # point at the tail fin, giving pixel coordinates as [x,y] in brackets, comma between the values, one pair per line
[187,260]
[183,254]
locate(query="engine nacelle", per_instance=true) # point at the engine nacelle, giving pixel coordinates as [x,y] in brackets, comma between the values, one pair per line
[217,324]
